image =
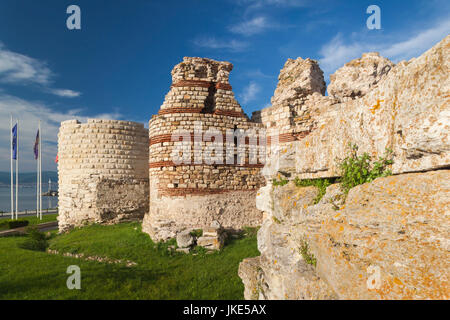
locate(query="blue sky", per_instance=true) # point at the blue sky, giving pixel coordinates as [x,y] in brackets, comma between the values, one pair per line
[118,65]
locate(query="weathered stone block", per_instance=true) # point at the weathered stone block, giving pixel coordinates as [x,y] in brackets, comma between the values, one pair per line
[185,239]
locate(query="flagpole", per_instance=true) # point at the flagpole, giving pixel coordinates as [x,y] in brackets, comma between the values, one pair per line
[37,180]
[12,175]
[40,171]
[17,171]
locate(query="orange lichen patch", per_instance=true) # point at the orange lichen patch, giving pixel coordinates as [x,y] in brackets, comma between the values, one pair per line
[341,229]
[397,281]
[337,215]
[307,143]
[373,282]
[376,106]
[274,261]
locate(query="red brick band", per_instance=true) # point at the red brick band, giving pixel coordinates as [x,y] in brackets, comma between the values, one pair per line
[288,137]
[161,164]
[180,110]
[282,138]
[168,138]
[192,83]
[201,83]
[228,113]
[196,192]
[223,86]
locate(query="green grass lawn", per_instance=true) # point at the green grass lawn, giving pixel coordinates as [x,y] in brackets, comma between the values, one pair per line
[159,273]
[34,220]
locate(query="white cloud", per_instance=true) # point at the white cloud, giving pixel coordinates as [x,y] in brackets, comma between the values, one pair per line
[29,113]
[65,93]
[16,67]
[418,44]
[252,26]
[337,52]
[250,92]
[257,73]
[20,69]
[213,43]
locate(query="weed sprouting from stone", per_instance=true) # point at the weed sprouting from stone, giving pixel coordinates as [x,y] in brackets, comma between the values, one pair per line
[306,254]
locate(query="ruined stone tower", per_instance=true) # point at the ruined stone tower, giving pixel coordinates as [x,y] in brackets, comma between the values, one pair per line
[201,105]
[102,170]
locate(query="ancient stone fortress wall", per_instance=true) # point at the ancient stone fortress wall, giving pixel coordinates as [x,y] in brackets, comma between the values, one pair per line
[385,239]
[300,85]
[372,103]
[103,172]
[194,192]
[405,110]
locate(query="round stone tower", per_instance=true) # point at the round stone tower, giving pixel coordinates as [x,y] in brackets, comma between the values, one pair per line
[103,172]
[200,114]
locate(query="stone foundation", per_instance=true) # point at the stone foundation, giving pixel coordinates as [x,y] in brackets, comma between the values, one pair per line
[169,215]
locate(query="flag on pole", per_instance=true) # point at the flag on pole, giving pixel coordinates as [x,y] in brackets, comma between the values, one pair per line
[14,142]
[12,169]
[36,146]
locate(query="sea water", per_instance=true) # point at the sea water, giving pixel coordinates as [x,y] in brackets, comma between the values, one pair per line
[27,198]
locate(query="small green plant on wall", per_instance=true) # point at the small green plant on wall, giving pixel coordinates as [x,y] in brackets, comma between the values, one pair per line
[356,170]
[306,254]
[321,184]
[280,182]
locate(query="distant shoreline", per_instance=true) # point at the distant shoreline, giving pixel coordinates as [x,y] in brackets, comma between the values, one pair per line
[28,178]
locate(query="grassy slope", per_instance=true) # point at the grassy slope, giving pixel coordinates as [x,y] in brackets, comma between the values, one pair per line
[159,275]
